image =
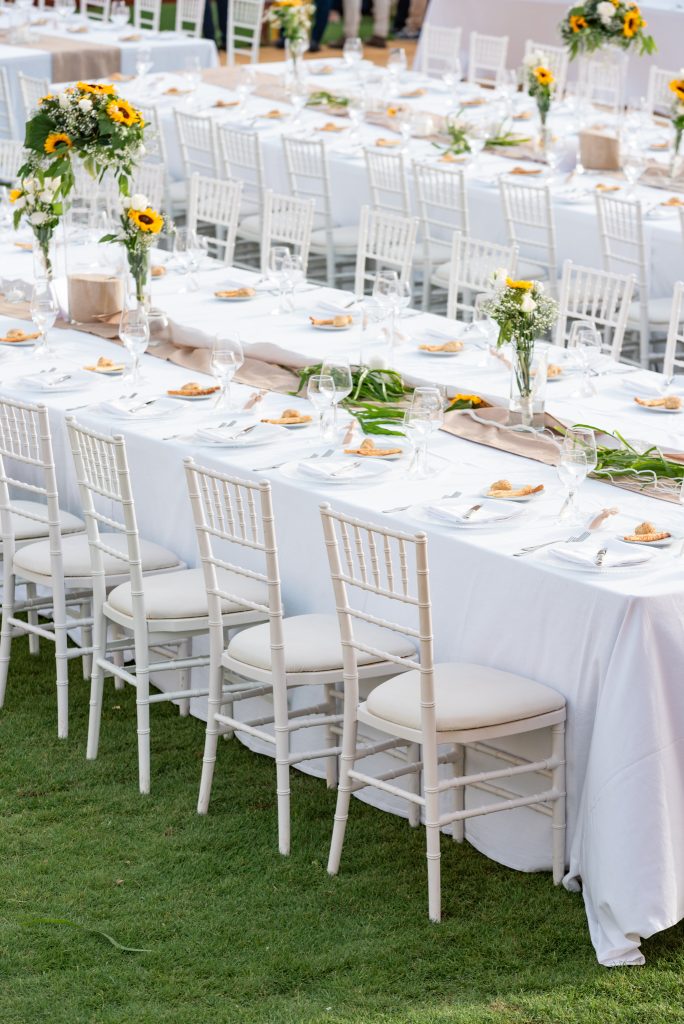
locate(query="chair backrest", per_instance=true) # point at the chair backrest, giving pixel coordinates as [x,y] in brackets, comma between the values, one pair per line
[189,17]
[388,181]
[674,348]
[286,221]
[213,203]
[486,57]
[375,567]
[148,181]
[8,129]
[10,160]
[556,60]
[388,241]
[25,441]
[440,49]
[659,96]
[598,296]
[240,157]
[473,262]
[155,146]
[234,518]
[528,211]
[95,10]
[599,81]
[197,144]
[147,14]
[623,244]
[308,174]
[31,90]
[442,201]
[245,18]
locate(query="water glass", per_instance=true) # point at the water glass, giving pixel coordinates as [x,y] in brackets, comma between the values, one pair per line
[633,163]
[192,72]
[278,261]
[143,61]
[320,391]
[572,472]
[134,331]
[340,371]
[352,52]
[226,359]
[585,341]
[44,310]
[423,418]
[119,14]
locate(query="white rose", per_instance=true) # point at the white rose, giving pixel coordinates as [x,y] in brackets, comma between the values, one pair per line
[38,218]
[63,100]
[19,203]
[46,195]
[499,277]
[30,185]
[528,305]
[680,110]
[85,105]
[606,11]
[141,150]
[126,203]
[535,59]
[139,201]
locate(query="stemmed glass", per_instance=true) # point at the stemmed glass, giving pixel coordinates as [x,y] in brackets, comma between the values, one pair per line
[143,62]
[226,359]
[320,391]
[355,110]
[478,133]
[340,371]
[192,73]
[279,258]
[299,94]
[585,339]
[44,310]
[352,52]
[134,331]
[572,468]
[387,292]
[423,418]
[293,275]
[119,14]
[633,164]
[64,9]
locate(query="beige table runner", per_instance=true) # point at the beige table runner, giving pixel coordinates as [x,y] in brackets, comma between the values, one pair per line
[74,60]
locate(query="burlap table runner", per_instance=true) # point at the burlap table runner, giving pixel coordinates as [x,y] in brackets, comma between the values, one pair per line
[74,60]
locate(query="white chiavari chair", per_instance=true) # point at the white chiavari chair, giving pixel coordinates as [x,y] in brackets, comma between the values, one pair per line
[8,129]
[245,18]
[157,609]
[681,221]
[486,58]
[189,17]
[240,156]
[623,247]
[197,144]
[674,348]
[440,50]
[381,576]
[528,211]
[147,14]
[147,180]
[471,266]
[31,90]
[95,10]
[388,181]
[557,61]
[442,203]
[387,241]
[659,96]
[215,204]
[156,156]
[600,82]
[273,658]
[598,296]
[10,160]
[286,221]
[31,524]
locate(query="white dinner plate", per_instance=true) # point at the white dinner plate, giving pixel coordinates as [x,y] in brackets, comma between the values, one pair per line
[657,408]
[192,398]
[331,327]
[557,557]
[498,514]
[160,408]
[520,497]
[41,382]
[234,298]
[665,543]
[264,433]
[443,355]
[370,471]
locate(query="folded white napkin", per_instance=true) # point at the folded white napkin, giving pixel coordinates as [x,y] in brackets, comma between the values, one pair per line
[135,408]
[617,554]
[647,385]
[338,308]
[232,434]
[325,471]
[488,513]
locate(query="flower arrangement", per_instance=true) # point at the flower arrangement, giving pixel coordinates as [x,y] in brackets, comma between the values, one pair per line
[457,130]
[140,225]
[677,87]
[292,18]
[541,82]
[38,200]
[465,402]
[592,24]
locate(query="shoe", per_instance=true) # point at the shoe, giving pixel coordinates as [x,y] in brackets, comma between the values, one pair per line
[406,33]
[338,44]
[280,43]
[378,41]
[314,47]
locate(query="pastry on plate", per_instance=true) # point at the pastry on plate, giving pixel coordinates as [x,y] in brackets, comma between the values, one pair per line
[526,170]
[505,489]
[104,365]
[235,293]
[288,418]
[158,271]
[367,447]
[330,126]
[387,143]
[666,402]
[193,390]
[16,335]
[673,201]
[647,533]
[274,115]
[447,346]
[227,103]
[554,370]
[341,320]
[607,188]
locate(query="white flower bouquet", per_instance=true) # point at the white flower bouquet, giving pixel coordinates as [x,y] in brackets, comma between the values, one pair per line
[38,201]
[292,18]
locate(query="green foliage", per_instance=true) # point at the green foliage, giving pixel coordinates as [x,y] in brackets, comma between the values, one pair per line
[321,98]
[371,398]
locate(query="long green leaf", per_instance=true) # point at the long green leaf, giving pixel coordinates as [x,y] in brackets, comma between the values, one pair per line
[66,923]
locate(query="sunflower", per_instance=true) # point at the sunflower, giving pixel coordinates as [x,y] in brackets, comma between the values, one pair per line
[632,23]
[520,286]
[577,22]
[474,399]
[288,3]
[44,99]
[677,87]
[95,89]
[15,193]
[544,76]
[122,112]
[147,220]
[56,142]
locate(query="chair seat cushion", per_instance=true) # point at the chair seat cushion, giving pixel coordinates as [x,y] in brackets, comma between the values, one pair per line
[312,644]
[25,529]
[35,558]
[250,226]
[182,595]
[659,311]
[346,237]
[466,697]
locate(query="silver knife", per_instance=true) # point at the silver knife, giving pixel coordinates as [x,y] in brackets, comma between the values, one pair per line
[600,556]
[471,512]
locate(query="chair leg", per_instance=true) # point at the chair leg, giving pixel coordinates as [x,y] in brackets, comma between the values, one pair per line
[458,827]
[432,828]
[8,598]
[118,657]
[185,651]
[96,685]
[558,819]
[32,616]
[343,792]
[282,745]
[84,612]
[61,662]
[413,754]
[331,763]
[211,734]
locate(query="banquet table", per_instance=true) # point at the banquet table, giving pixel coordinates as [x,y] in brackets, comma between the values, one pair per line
[610,643]
[539,20]
[576,228]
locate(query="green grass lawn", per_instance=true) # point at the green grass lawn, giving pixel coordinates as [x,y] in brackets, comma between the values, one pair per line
[237,933]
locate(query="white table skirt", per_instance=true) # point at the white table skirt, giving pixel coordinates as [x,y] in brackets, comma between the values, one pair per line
[612,646]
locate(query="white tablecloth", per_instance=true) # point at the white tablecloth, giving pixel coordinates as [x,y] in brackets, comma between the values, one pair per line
[611,645]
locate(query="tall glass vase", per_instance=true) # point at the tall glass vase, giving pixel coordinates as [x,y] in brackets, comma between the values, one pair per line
[604,75]
[528,386]
[294,52]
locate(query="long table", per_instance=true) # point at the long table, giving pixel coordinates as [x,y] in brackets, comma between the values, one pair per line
[610,643]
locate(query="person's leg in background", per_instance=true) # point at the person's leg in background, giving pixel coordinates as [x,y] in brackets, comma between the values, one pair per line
[351,11]
[222,7]
[381,22]
[320,23]
[416,14]
[208,30]
[400,15]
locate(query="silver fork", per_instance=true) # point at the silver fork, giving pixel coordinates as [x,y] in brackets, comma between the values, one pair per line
[277,465]
[403,508]
[547,543]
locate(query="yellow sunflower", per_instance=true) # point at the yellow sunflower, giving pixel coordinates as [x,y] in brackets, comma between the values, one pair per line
[544,76]
[577,22]
[475,399]
[57,141]
[677,87]
[44,99]
[287,3]
[122,112]
[15,193]
[95,89]
[147,220]
[520,286]
[632,23]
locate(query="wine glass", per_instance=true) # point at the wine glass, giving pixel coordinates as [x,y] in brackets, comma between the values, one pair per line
[44,310]
[299,94]
[633,163]
[423,418]
[572,472]
[192,73]
[320,390]
[278,261]
[340,371]
[64,9]
[143,62]
[119,14]
[585,340]
[355,109]
[134,331]
[352,52]
[477,134]
[583,439]
[385,293]
[226,359]
[293,276]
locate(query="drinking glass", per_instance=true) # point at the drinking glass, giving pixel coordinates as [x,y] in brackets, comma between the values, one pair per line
[186,247]
[633,164]
[293,276]
[572,472]
[64,9]
[355,109]
[583,439]
[385,293]
[119,14]
[320,391]
[143,61]
[585,339]
[226,359]
[134,331]
[44,310]
[352,52]
[477,135]
[422,419]
[340,371]
[278,261]
[192,73]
